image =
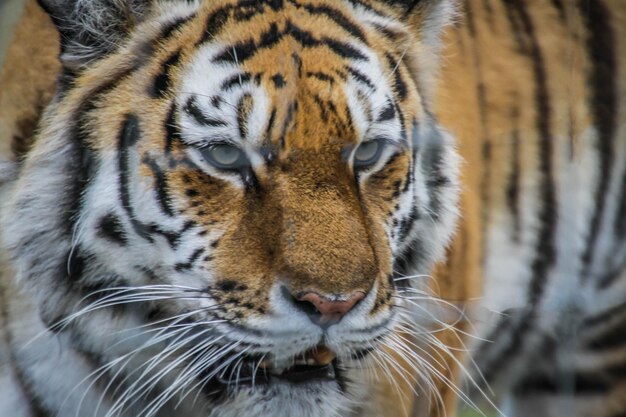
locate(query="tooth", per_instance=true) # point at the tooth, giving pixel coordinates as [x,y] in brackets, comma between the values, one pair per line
[322,355]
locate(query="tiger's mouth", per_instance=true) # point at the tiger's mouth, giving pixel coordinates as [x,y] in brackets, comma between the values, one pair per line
[315,365]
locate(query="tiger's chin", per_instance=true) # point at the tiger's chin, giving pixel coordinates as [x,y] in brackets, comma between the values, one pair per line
[314,384]
[303,391]
[316,364]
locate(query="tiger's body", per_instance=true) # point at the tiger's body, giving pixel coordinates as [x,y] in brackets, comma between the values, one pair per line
[109,197]
[535,93]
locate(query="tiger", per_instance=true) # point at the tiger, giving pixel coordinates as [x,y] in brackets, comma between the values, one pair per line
[501,269]
[220,208]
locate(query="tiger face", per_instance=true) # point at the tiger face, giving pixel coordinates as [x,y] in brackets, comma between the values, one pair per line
[245,180]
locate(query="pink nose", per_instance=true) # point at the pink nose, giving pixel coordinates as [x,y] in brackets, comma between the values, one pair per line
[332,311]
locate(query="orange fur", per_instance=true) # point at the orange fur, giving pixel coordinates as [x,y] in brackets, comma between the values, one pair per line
[489,57]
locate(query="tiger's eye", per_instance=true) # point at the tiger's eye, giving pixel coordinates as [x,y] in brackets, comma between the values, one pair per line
[225,156]
[367,153]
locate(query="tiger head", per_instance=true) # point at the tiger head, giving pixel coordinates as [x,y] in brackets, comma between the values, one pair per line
[252,181]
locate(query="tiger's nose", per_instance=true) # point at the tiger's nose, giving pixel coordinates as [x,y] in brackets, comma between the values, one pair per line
[325,311]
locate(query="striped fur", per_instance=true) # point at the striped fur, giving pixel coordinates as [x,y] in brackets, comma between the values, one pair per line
[166,280]
[533,92]
[541,121]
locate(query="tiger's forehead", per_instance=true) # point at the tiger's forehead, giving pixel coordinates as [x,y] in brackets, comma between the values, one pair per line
[300,74]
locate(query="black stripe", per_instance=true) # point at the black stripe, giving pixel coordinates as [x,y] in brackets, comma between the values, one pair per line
[369,7]
[162,82]
[189,264]
[172,133]
[603,56]
[612,337]
[34,404]
[243,10]
[545,251]
[387,113]
[468,12]
[603,317]
[580,382]
[399,84]
[516,29]
[341,48]
[172,237]
[388,33]
[168,30]
[77,261]
[320,76]
[485,172]
[291,111]
[192,109]
[84,162]
[432,165]
[359,76]
[161,186]
[609,277]
[100,286]
[405,264]
[297,61]
[489,13]
[128,137]
[243,107]
[514,329]
[84,166]
[406,225]
[619,227]
[322,107]
[513,186]
[339,18]
[214,23]
[110,227]
[270,125]
[558,5]
[485,179]
[243,51]
[237,79]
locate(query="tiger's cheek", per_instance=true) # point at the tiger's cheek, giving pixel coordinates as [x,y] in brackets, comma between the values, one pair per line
[207,200]
[385,195]
[243,259]
[383,191]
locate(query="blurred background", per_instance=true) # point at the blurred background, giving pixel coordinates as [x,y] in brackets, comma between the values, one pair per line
[9,13]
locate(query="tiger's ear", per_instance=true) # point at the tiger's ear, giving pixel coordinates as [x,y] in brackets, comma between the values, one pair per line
[90,29]
[428,16]
[427,20]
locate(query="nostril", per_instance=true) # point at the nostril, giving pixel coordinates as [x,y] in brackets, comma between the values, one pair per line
[307,307]
[326,310]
